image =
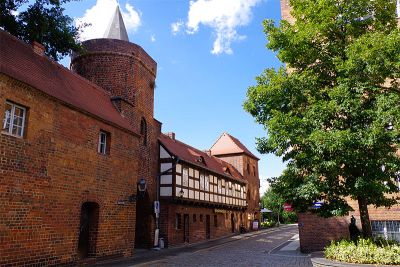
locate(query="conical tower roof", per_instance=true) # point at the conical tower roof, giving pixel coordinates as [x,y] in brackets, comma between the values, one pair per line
[116,29]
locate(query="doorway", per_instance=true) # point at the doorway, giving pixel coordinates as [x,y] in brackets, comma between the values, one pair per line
[143,221]
[186,228]
[208,227]
[88,228]
[233,222]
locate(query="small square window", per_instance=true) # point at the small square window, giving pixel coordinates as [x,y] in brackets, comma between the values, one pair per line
[104,143]
[14,119]
[194,218]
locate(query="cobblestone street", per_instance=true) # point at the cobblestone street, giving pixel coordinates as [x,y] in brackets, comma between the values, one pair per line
[276,247]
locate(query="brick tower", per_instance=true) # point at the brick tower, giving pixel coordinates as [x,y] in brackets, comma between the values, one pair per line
[128,73]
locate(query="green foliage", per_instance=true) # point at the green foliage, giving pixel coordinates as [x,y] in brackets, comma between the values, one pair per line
[272,201]
[334,118]
[364,251]
[289,217]
[42,21]
[268,224]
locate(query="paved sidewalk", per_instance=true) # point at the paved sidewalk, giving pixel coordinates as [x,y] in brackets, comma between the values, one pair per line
[146,255]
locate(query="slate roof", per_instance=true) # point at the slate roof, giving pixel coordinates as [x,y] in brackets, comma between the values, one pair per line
[191,155]
[227,144]
[116,29]
[19,61]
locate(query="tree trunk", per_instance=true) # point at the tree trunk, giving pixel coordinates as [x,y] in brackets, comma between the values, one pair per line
[365,223]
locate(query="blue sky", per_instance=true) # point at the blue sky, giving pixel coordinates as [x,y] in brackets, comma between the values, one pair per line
[204,67]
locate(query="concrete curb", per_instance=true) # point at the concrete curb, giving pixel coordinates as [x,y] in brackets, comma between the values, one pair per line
[318,260]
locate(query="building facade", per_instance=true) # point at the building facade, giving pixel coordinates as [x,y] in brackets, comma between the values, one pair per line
[202,196]
[313,230]
[73,147]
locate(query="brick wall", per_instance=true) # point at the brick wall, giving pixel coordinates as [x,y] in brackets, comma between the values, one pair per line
[316,232]
[285,11]
[126,71]
[197,229]
[47,176]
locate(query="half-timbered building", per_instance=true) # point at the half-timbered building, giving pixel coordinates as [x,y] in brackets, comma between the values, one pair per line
[201,196]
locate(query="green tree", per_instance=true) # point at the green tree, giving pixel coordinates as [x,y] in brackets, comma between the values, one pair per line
[334,117]
[42,21]
[273,201]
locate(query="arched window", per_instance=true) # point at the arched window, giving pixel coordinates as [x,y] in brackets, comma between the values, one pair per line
[143,131]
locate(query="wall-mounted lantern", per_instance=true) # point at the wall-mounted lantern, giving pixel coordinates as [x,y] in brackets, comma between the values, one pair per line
[142,186]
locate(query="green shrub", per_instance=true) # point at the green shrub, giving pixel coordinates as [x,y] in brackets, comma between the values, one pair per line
[268,224]
[289,217]
[365,251]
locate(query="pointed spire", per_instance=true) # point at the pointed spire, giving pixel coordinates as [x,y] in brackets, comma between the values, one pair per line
[116,29]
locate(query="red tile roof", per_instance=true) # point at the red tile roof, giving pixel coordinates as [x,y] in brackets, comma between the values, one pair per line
[227,144]
[191,155]
[19,61]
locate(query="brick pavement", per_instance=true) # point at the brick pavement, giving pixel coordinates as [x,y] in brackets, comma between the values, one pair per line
[262,248]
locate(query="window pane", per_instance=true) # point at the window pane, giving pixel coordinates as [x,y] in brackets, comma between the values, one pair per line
[19,112]
[7,117]
[15,129]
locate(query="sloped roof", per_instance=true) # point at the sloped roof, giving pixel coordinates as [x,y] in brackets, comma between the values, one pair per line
[19,61]
[191,155]
[116,29]
[227,144]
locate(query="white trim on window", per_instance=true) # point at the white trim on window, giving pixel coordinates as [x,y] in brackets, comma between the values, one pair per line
[13,123]
[102,149]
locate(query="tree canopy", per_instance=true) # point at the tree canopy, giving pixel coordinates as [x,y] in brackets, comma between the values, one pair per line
[42,21]
[333,114]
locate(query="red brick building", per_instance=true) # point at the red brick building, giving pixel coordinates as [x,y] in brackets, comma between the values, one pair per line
[205,196]
[316,232]
[72,151]
[79,159]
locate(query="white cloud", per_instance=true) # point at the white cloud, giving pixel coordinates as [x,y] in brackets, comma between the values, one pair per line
[153,38]
[176,27]
[99,16]
[223,16]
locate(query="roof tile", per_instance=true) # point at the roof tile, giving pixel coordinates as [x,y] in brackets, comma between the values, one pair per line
[19,61]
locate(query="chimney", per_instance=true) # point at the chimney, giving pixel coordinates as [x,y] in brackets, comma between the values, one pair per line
[38,48]
[171,135]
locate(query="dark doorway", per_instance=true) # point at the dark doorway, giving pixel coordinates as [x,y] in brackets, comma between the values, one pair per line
[88,228]
[233,222]
[186,228]
[143,221]
[208,226]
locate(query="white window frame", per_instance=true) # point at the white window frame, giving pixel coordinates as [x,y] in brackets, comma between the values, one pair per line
[101,143]
[11,116]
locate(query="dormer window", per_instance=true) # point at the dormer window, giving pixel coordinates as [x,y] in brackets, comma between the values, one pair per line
[227,171]
[200,159]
